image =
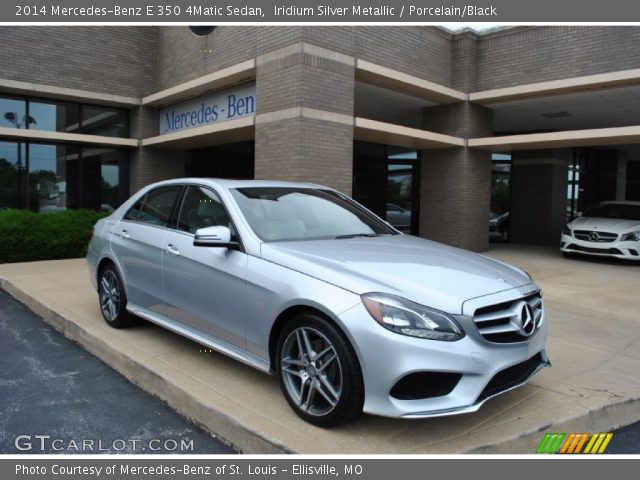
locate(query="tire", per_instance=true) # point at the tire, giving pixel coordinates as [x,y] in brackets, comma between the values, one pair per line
[113,299]
[319,372]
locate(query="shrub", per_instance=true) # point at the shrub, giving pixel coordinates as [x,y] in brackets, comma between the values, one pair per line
[27,236]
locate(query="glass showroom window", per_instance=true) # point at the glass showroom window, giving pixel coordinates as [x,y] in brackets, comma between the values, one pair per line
[54,116]
[105,121]
[59,116]
[13,175]
[48,177]
[104,180]
[13,112]
[53,179]
[500,183]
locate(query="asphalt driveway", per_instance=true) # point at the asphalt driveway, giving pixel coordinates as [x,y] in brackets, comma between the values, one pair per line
[54,396]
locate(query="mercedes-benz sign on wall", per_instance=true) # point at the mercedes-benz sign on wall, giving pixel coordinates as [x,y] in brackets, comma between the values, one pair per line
[221,106]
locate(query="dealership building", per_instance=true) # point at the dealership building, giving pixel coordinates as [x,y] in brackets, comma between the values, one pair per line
[434,131]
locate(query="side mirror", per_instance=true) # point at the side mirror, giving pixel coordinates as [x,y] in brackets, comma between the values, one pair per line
[218,236]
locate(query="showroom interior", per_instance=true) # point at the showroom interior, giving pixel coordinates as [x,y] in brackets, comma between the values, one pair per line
[437,132]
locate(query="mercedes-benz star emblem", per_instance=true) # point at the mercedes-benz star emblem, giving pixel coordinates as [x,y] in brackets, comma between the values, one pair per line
[527,325]
[594,237]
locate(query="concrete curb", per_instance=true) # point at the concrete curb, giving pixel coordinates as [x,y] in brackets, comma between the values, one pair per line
[606,419]
[220,424]
[214,421]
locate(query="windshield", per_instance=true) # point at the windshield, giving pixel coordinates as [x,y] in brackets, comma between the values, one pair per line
[614,210]
[293,213]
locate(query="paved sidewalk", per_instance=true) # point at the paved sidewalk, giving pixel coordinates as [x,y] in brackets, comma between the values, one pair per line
[594,344]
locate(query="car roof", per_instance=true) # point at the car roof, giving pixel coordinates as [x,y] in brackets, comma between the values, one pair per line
[231,183]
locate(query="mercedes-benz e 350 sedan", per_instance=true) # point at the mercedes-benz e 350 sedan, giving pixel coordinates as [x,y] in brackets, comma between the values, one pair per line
[300,281]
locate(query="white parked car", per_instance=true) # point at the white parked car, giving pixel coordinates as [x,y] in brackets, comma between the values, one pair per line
[610,229]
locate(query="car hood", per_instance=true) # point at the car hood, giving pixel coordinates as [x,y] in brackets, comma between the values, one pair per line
[613,225]
[423,271]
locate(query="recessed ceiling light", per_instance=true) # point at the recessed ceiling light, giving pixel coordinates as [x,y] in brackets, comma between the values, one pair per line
[556,114]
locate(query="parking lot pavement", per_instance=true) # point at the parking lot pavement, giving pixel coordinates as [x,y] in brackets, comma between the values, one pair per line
[625,440]
[593,386]
[50,386]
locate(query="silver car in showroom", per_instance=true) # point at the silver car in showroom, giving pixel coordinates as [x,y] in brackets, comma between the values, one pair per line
[300,281]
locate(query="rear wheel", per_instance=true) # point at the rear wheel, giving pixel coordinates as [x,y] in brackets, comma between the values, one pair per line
[113,299]
[319,372]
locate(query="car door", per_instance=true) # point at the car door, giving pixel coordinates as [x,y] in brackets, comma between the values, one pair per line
[204,287]
[137,241]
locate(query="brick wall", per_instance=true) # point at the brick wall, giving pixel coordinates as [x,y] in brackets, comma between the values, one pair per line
[464,62]
[305,80]
[301,148]
[305,150]
[419,51]
[150,164]
[105,59]
[183,56]
[455,183]
[536,54]
[136,61]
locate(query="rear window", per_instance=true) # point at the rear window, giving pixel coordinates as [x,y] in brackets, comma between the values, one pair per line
[156,206]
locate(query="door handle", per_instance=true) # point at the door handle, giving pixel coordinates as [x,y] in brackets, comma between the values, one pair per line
[172,249]
[125,234]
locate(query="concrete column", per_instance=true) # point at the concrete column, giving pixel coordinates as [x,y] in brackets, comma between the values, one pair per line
[455,183]
[304,122]
[538,196]
[149,164]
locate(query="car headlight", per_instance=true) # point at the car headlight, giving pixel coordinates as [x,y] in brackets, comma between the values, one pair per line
[566,230]
[631,237]
[408,318]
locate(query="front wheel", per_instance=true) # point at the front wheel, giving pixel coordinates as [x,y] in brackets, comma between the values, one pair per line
[319,372]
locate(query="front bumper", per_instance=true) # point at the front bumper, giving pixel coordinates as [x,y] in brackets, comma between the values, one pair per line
[387,357]
[629,250]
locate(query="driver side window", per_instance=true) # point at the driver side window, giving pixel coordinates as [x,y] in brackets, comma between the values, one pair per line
[202,208]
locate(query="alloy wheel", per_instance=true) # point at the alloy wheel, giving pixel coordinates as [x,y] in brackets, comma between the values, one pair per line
[311,371]
[109,295]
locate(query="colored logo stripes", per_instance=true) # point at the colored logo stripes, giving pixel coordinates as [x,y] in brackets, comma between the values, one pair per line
[574,443]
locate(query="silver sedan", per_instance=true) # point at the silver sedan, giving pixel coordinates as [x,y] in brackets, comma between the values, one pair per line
[300,281]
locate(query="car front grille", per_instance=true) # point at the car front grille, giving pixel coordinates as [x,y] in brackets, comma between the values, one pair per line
[595,236]
[503,322]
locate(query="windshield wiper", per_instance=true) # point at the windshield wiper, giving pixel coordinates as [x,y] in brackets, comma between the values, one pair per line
[354,235]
